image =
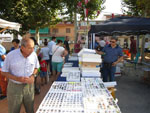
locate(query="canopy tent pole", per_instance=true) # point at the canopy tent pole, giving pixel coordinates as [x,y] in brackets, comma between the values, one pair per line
[4,29]
[137,43]
[142,51]
[93,41]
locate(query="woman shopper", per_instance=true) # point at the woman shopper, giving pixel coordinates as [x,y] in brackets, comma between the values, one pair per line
[58,52]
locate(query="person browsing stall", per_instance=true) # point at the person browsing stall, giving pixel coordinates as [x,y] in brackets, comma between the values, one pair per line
[50,44]
[15,43]
[112,56]
[57,58]
[21,72]
[3,80]
[66,46]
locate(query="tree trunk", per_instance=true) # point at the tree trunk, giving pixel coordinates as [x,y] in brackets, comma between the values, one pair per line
[15,36]
[37,36]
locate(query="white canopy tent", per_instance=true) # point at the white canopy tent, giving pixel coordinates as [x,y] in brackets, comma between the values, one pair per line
[9,25]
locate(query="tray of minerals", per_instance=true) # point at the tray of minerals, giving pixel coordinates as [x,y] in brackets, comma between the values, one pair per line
[66,87]
[74,54]
[73,76]
[59,111]
[68,64]
[90,74]
[73,58]
[110,84]
[91,81]
[62,101]
[94,87]
[89,68]
[95,92]
[100,104]
[88,51]
[66,70]
[91,58]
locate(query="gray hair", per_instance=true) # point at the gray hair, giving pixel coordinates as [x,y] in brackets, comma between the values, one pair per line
[24,41]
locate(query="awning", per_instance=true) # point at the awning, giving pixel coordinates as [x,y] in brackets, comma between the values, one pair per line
[41,31]
[57,38]
[122,26]
[9,25]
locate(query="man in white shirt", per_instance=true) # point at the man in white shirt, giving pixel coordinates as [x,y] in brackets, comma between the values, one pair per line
[50,44]
[57,59]
[20,67]
[45,52]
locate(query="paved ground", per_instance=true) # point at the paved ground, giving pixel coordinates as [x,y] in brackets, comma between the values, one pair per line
[133,95]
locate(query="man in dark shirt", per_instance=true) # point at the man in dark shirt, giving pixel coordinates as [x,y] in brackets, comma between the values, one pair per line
[112,56]
[66,46]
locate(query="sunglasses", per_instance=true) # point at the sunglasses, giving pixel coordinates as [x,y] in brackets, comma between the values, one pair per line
[112,41]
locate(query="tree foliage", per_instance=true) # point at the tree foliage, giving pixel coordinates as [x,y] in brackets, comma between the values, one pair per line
[31,14]
[78,6]
[137,7]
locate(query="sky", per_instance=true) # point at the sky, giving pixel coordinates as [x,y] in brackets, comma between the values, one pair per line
[111,6]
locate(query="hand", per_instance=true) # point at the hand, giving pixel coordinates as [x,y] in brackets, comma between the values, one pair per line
[20,79]
[29,80]
[96,51]
[114,64]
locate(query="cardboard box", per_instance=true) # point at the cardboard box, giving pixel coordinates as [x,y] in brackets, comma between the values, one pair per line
[90,64]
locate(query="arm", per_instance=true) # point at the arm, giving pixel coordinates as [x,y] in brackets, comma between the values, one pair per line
[119,60]
[100,52]
[10,76]
[29,79]
[64,53]
[120,54]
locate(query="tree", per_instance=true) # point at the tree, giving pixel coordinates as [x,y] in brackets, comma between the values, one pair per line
[78,6]
[32,14]
[137,7]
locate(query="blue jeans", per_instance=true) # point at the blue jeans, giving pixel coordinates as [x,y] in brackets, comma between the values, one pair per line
[108,72]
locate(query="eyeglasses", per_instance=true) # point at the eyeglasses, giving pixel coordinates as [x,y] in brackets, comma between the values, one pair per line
[112,41]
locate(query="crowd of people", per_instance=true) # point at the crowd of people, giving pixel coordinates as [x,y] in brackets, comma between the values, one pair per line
[27,59]
[20,66]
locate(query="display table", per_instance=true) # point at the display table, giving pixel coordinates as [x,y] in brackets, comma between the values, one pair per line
[88,96]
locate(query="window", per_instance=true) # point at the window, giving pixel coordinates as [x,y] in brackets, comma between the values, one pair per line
[68,30]
[55,30]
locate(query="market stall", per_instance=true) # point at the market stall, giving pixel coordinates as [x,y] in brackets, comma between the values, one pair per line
[121,26]
[82,92]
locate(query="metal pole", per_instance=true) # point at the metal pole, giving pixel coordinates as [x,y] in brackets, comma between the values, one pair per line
[137,43]
[93,41]
[142,49]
